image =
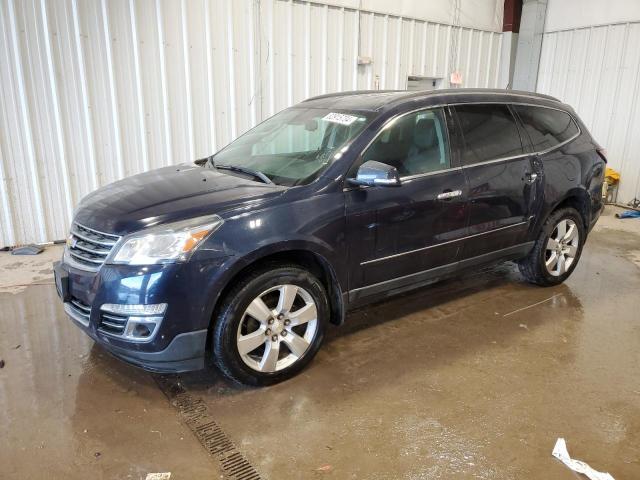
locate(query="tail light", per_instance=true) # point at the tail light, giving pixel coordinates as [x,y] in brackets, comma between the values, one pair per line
[603,154]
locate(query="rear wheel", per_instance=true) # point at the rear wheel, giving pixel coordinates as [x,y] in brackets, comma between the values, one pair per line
[270,326]
[557,249]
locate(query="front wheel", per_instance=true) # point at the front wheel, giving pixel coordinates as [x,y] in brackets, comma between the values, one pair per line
[557,249]
[270,326]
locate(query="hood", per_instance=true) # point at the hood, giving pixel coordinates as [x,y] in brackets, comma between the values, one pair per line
[169,194]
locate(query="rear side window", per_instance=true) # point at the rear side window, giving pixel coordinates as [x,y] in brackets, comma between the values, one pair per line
[490,132]
[546,127]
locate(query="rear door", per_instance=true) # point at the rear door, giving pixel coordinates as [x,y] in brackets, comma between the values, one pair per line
[501,176]
[397,235]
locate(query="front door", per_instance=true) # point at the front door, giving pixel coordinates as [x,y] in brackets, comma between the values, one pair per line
[397,235]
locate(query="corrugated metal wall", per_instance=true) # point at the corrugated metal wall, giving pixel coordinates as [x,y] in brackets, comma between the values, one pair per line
[597,71]
[96,90]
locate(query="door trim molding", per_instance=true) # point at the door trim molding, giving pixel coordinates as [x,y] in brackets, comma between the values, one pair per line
[395,255]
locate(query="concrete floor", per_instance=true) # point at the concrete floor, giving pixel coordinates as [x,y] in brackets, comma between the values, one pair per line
[475,377]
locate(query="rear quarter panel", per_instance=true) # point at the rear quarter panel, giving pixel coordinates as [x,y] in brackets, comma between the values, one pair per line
[573,170]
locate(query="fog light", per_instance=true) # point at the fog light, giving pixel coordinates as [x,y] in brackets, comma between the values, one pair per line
[125,309]
[141,322]
[141,328]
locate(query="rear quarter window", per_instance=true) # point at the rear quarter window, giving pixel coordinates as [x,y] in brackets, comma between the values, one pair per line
[490,132]
[546,127]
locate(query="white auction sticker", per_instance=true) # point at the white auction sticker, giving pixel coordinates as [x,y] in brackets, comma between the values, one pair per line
[158,476]
[340,118]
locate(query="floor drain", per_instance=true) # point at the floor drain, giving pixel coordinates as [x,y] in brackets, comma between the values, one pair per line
[195,414]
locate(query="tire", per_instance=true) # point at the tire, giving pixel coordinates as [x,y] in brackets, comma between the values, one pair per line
[266,330]
[544,264]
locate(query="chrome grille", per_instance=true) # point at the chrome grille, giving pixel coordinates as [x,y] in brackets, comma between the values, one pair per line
[79,310]
[89,247]
[112,323]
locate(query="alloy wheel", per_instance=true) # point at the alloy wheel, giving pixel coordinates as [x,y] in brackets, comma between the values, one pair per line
[277,328]
[562,247]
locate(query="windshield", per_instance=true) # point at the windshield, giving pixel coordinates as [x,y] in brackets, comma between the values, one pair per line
[294,146]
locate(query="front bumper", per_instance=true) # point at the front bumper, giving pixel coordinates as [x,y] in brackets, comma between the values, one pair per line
[186,352]
[180,342]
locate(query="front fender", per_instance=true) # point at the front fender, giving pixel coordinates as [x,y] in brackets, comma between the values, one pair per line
[233,266]
[310,223]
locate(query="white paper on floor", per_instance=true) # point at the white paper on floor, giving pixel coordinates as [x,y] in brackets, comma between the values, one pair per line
[561,453]
[158,476]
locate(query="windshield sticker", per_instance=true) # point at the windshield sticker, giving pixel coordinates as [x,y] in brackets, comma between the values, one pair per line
[340,118]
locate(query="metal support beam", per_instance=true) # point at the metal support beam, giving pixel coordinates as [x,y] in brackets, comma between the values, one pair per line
[525,73]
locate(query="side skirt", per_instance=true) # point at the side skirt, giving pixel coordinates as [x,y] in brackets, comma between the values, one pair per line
[360,296]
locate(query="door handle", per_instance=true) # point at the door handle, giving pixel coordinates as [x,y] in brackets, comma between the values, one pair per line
[448,194]
[530,177]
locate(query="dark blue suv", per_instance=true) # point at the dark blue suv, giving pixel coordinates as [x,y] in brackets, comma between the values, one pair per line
[246,256]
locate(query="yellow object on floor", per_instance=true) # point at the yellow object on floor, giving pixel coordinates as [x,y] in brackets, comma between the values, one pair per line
[611,176]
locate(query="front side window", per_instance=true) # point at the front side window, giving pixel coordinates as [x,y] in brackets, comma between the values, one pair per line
[546,127]
[294,146]
[414,144]
[489,131]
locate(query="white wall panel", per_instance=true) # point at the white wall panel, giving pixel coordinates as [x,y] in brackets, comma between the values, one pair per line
[571,14]
[597,71]
[96,90]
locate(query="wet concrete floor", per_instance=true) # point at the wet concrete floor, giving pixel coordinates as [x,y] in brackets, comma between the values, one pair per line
[475,377]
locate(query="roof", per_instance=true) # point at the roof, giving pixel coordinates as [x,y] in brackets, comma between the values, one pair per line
[376,100]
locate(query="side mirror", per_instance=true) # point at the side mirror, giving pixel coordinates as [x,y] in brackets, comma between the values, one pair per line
[374,173]
[201,162]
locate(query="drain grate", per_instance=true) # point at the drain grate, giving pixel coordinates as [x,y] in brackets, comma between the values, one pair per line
[195,414]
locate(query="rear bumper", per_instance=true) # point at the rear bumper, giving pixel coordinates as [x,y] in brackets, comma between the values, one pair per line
[595,217]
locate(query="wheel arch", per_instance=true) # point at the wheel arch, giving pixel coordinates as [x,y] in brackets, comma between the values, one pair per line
[303,256]
[576,198]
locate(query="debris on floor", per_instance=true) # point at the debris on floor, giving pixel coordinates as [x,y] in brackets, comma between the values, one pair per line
[561,453]
[1,363]
[27,250]
[158,476]
[324,468]
[18,272]
[628,214]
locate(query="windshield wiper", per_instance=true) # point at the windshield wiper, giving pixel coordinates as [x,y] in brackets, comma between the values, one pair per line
[254,173]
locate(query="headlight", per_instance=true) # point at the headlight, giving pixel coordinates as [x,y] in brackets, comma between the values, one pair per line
[174,242]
